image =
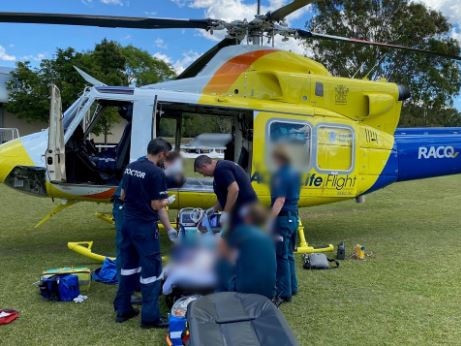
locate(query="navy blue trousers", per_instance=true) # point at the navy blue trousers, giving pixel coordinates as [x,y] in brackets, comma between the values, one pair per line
[140,254]
[287,284]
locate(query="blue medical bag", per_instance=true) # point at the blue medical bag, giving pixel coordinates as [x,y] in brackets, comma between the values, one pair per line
[68,287]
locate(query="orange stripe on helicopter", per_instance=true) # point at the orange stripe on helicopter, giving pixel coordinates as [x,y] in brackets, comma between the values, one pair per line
[228,73]
[103,195]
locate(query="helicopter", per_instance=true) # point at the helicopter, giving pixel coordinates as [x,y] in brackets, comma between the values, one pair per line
[341,132]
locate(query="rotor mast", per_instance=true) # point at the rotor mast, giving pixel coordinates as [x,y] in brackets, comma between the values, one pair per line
[254,37]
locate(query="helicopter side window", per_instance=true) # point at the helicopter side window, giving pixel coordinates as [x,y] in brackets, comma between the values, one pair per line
[296,137]
[335,147]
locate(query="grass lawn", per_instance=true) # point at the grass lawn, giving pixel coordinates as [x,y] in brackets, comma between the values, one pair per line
[408,293]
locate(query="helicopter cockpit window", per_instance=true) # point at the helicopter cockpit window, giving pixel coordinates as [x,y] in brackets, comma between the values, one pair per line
[335,148]
[296,137]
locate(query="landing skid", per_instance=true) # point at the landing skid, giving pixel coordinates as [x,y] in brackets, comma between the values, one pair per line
[304,247]
[84,248]
[56,210]
[106,217]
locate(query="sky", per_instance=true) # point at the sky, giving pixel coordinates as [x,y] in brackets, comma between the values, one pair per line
[178,47]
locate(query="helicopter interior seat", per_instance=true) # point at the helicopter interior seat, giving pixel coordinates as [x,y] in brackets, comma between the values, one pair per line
[111,164]
[79,167]
[122,156]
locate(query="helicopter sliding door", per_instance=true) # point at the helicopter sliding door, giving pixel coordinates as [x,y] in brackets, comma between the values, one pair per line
[55,152]
[216,131]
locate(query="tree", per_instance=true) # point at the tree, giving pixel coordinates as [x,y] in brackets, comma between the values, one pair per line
[142,69]
[433,81]
[108,61]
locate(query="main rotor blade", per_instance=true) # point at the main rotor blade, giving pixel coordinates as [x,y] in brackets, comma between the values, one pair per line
[309,34]
[204,59]
[286,10]
[105,21]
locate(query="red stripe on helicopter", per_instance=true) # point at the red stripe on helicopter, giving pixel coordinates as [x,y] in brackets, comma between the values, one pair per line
[228,73]
[103,195]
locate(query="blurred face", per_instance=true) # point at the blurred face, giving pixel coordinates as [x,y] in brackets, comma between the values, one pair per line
[277,161]
[206,170]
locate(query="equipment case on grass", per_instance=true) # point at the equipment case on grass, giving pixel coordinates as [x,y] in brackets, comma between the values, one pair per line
[83,274]
[230,318]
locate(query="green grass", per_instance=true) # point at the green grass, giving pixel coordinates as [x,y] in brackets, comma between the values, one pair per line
[409,293]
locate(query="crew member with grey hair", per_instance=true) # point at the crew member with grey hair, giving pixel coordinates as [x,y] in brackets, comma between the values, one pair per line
[231,185]
[144,192]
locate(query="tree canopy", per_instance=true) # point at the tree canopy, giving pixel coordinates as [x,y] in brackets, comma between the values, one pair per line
[433,81]
[109,62]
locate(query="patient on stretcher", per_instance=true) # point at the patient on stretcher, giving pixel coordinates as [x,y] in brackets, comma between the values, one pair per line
[192,262]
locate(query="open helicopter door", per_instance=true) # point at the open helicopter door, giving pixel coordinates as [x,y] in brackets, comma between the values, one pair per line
[143,127]
[55,152]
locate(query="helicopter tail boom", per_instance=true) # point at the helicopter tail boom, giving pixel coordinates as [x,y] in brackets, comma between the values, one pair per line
[421,153]
[428,152]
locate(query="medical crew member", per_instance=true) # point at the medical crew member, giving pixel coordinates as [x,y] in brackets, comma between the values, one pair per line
[285,187]
[117,214]
[231,185]
[144,192]
[250,255]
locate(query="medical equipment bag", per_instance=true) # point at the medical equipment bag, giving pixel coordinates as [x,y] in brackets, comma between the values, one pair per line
[83,274]
[59,287]
[318,261]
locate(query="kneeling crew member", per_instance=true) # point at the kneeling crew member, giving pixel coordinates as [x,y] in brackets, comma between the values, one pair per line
[231,185]
[249,253]
[145,197]
[285,186]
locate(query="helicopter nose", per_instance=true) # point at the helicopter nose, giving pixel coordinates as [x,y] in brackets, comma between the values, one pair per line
[12,154]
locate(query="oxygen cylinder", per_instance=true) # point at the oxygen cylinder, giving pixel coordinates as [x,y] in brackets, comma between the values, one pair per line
[341,252]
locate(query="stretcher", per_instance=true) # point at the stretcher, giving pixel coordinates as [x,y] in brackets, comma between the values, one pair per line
[230,318]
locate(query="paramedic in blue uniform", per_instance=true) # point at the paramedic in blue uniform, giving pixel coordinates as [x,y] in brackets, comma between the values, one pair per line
[285,187]
[249,253]
[231,185]
[117,214]
[144,192]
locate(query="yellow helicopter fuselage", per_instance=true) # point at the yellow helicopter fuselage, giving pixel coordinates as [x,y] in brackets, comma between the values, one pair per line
[341,130]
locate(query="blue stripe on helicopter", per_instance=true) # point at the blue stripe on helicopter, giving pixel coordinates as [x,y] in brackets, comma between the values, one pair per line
[422,153]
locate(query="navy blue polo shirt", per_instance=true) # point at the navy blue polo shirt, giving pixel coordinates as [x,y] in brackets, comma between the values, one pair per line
[286,182]
[226,173]
[143,182]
